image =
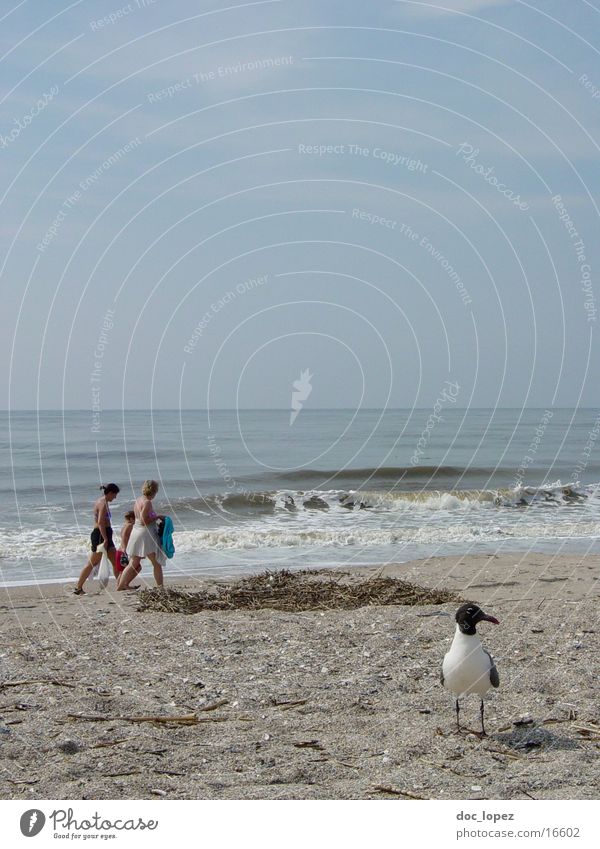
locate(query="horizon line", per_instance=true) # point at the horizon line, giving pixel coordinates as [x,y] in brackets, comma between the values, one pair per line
[267,409]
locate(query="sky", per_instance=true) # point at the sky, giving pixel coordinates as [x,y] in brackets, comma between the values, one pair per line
[203,202]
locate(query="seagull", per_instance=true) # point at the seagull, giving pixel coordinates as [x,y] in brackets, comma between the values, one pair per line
[468,667]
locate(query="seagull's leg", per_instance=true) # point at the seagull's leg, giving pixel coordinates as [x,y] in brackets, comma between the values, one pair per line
[457,722]
[482,725]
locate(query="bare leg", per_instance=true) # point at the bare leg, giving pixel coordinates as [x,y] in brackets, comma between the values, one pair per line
[112,556]
[457,710]
[482,725]
[158,572]
[129,573]
[95,558]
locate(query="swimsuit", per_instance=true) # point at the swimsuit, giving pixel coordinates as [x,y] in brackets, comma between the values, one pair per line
[96,538]
[121,560]
[144,540]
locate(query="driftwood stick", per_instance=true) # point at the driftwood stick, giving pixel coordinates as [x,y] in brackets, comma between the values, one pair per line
[118,774]
[169,772]
[386,788]
[187,719]
[6,684]
[290,705]
[589,727]
[307,744]
[213,706]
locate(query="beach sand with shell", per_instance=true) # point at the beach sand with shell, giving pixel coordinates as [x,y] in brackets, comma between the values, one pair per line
[99,700]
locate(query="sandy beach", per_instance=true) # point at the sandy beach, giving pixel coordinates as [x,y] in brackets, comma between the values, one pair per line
[319,704]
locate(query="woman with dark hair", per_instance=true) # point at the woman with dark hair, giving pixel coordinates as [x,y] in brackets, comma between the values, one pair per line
[101,537]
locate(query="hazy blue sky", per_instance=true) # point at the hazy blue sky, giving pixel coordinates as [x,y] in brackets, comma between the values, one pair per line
[202,200]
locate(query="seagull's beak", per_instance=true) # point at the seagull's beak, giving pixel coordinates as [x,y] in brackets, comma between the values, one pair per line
[486,618]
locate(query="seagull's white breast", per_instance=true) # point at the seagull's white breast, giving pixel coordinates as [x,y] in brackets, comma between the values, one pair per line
[466,667]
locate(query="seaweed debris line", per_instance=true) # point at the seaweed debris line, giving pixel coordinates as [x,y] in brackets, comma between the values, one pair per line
[295,591]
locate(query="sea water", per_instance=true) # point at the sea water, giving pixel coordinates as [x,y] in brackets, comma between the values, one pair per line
[249,490]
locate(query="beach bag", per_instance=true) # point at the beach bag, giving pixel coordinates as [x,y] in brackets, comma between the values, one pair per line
[104,572]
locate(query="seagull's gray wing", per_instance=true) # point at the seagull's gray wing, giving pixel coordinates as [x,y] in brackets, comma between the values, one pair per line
[494,677]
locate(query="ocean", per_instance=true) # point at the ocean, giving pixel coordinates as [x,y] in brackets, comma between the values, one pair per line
[249,489]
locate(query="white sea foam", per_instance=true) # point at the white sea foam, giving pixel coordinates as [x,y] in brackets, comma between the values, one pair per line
[552,511]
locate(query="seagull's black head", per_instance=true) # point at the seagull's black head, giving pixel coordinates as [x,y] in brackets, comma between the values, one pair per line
[469,615]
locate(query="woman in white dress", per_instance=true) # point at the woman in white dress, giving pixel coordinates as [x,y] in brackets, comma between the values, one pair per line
[143,541]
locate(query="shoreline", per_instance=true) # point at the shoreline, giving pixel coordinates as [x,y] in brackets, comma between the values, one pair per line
[571,547]
[429,571]
[298,705]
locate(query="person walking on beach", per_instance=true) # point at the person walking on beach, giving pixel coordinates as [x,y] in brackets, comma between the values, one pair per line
[143,541]
[101,537]
[121,557]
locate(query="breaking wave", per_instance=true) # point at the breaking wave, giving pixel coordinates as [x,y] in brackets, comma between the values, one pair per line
[339,518]
[290,500]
